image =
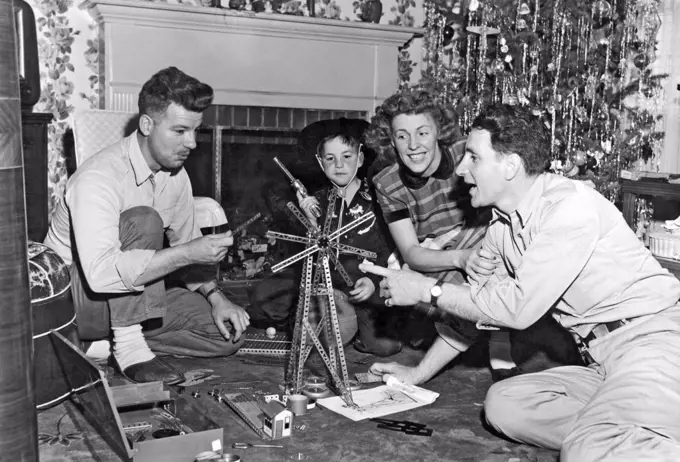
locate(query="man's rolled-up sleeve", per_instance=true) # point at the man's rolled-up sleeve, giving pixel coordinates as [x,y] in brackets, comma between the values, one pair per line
[95,221]
[565,240]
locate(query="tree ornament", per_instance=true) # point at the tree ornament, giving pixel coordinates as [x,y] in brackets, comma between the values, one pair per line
[641,61]
[474,5]
[602,13]
[580,158]
[602,8]
[521,24]
[497,66]
[447,34]
[572,172]
[523,9]
[591,162]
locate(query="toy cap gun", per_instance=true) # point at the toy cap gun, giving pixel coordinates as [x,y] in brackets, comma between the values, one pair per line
[299,187]
[297,184]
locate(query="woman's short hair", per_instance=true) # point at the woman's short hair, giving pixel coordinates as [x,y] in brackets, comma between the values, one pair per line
[413,100]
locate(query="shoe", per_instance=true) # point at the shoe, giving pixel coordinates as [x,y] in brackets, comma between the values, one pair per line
[154,370]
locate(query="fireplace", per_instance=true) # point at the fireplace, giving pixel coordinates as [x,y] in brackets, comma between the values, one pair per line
[272,74]
[234,162]
[238,144]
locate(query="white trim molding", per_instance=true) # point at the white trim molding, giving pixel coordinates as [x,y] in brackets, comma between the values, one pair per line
[248,58]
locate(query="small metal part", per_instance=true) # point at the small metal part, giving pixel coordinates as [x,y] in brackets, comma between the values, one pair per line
[299,456]
[249,445]
[366,359]
[229,458]
[354,385]
[136,426]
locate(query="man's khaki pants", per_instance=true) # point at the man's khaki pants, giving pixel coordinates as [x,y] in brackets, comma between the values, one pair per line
[626,407]
[176,321]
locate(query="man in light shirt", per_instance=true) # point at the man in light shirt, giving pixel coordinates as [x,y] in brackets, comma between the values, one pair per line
[563,247]
[117,209]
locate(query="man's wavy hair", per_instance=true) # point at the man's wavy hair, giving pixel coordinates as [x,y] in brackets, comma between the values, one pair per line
[170,85]
[412,100]
[515,129]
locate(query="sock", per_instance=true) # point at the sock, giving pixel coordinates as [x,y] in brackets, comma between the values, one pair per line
[129,346]
[499,351]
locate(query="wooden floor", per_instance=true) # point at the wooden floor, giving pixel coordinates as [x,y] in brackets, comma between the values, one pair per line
[455,418]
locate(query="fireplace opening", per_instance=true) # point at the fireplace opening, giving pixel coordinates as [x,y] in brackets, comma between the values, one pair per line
[234,162]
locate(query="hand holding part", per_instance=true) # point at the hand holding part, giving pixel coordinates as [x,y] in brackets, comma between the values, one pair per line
[211,248]
[309,204]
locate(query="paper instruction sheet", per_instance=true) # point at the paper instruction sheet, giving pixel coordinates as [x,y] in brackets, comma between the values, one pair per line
[380,401]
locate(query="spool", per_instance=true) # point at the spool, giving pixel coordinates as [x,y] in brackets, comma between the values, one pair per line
[297,404]
[316,392]
[315,381]
[51,309]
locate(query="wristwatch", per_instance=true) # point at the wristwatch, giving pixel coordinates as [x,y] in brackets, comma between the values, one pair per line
[213,290]
[436,292]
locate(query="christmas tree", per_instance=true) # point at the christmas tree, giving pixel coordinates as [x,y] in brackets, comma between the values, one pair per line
[584,66]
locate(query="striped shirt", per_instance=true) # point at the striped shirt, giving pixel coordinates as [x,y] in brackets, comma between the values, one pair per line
[436,204]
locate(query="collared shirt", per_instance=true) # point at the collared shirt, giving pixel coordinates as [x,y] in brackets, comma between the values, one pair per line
[367,236]
[110,182]
[435,205]
[567,247]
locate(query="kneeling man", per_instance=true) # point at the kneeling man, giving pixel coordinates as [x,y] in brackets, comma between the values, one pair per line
[563,248]
[117,209]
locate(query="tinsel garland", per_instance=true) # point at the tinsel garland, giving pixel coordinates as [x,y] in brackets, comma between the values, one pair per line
[583,65]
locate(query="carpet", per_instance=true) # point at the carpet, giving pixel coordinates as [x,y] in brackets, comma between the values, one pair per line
[321,435]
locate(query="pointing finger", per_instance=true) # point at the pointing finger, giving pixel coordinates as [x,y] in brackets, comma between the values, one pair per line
[375,269]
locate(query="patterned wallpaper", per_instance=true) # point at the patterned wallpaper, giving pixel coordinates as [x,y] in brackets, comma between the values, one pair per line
[67,45]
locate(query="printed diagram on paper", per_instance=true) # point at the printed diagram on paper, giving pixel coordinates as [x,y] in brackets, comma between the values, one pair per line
[380,401]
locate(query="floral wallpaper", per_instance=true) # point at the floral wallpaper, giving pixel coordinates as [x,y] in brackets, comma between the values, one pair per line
[68,62]
[69,55]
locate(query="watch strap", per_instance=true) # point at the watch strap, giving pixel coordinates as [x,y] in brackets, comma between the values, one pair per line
[217,288]
[433,298]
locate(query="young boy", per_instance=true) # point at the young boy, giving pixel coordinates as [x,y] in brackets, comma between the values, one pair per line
[338,151]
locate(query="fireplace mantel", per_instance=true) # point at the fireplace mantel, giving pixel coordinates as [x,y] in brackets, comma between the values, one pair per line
[248,58]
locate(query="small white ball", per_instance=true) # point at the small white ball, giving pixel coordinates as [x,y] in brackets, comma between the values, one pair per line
[271,332]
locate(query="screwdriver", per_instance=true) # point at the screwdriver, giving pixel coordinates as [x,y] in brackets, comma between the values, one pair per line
[248,445]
